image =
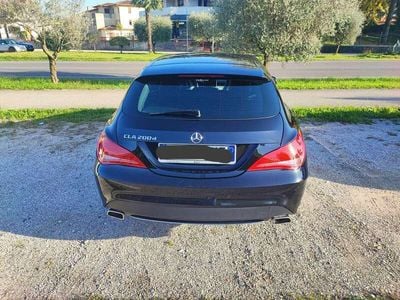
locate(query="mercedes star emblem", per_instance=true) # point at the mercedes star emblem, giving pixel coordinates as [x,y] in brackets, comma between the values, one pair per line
[196,137]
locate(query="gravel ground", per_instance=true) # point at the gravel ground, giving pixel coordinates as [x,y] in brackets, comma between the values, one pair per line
[56,242]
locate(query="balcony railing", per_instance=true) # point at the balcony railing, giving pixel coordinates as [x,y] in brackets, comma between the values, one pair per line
[180,10]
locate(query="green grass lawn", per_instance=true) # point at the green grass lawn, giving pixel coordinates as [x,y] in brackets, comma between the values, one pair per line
[340,83]
[291,84]
[364,56]
[325,114]
[347,114]
[36,83]
[143,56]
[74,115]
[80,56]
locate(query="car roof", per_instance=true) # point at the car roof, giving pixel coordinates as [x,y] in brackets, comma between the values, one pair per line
[202,63]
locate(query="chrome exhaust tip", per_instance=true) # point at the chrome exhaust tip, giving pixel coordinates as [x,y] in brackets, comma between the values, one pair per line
[281,219]
[116,214]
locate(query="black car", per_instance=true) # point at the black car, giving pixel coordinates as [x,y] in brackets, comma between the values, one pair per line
[205,139]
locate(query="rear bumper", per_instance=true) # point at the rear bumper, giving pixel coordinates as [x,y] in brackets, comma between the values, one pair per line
[250,197]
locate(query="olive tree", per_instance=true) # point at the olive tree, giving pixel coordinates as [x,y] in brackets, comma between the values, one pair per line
[6,16]
[288,29]
[57,25]
[92,38]
[348,27]
[203,27]
[161,30]
[120,41]
[148,6]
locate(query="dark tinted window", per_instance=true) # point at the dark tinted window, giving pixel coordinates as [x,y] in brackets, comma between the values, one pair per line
[215,97]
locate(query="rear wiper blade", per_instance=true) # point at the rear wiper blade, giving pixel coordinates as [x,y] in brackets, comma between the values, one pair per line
[178,113]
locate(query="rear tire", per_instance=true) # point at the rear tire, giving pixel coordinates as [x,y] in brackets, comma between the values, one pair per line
[12,49]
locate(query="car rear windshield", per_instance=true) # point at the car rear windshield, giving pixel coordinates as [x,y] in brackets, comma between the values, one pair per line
[214,97]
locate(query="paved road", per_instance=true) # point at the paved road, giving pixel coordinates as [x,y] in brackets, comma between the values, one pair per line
[112,98]
[363,68]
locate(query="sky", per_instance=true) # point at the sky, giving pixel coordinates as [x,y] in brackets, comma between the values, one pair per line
[95,2]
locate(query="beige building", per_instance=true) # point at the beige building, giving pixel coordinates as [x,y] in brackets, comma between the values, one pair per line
[114,19]
[117,19]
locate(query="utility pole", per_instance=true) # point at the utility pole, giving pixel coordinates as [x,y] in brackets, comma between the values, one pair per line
[187,33]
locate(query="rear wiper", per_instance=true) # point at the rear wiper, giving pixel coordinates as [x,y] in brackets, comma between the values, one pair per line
[179,113]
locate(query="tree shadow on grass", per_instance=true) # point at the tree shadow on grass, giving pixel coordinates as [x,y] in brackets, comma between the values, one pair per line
[395,100]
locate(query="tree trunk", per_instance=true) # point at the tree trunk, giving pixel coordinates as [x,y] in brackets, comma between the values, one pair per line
[265,60]
[120,49]
[52,57]
[212,45]
[149,32]
[337,49]
[389,17]
[53,69]
[6,30]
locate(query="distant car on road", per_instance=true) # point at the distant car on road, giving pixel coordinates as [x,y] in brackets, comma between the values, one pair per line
[9,45]
[29,46]
[205,139]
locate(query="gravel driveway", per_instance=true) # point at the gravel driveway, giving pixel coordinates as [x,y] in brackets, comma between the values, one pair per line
[56,242]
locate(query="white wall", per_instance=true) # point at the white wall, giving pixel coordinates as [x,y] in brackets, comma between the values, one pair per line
[125,16]
[99,21]
[191,2]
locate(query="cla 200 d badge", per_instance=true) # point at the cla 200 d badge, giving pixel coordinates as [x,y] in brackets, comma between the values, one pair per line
[202,138]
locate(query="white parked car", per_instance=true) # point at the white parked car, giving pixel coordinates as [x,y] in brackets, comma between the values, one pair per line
[7,45]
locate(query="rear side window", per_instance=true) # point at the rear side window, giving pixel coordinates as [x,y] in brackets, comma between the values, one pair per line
[216,97]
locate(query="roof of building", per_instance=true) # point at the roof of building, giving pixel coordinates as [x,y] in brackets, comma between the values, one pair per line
[120,3]
[201,63]
[124,3]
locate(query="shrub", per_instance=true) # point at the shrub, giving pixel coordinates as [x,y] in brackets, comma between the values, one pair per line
[161,28]
[120,41]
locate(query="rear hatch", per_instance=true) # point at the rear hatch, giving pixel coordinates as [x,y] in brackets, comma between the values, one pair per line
[200,125]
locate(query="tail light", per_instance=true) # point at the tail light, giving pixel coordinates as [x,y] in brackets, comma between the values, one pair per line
[109,153]
[288,157]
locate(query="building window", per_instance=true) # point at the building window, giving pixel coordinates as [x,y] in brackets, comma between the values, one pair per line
[130,22]
[109,11]
[181,3]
